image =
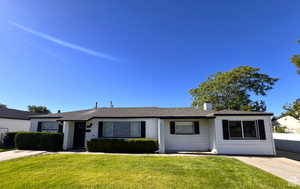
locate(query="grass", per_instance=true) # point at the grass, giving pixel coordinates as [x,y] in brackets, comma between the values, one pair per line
[133,172]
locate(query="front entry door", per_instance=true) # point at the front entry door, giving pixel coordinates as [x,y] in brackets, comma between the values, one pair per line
[79,135]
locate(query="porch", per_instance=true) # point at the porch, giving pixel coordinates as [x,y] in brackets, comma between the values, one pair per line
[173,135]
[74,134]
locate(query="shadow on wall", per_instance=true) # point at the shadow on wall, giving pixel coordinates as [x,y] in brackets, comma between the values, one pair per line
[289,155]
[287,145]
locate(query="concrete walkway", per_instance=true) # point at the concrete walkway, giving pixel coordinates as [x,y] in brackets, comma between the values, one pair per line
[280,166]
[13,154]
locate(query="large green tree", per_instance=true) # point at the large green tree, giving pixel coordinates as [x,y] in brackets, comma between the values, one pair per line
[38,109]
[293,109]
[233,89]
[3,106]
[296,60]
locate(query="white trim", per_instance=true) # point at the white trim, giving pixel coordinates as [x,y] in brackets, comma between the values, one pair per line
[161,136]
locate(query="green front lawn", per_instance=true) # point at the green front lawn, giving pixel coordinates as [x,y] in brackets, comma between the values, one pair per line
[133,172]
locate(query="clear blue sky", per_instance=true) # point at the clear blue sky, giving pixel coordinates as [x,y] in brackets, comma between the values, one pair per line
[68,54]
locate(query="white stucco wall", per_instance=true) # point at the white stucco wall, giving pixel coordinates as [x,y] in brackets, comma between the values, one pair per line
[151,127]
[289,142]
[15,124]
[255,147]
[292,124]
[197,142]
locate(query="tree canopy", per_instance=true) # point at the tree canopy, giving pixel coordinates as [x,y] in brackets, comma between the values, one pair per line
[233,89]
[3,106]
[296,61]
[293,109]
[38,109]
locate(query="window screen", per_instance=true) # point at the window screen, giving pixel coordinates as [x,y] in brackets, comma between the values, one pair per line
[250,129]
[184,128]
[235,129]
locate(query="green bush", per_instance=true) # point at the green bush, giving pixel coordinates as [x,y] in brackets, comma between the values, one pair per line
[122,145]
[39,141]
[280,130]
[9,139]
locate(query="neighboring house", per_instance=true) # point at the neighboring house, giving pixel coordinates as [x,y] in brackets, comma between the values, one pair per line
[290,124]
[14,120]
[177,129]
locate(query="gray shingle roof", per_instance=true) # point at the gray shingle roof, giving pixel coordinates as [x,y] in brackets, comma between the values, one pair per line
[143,112]
[236,112]
[15,114]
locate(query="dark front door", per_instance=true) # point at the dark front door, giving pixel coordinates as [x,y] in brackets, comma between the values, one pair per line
[79,135]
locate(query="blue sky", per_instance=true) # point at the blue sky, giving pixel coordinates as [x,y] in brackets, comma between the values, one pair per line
[69,54]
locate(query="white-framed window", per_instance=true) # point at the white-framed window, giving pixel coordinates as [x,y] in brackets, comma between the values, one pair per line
[243,130]
[49,126]
[122,129]
[184,128]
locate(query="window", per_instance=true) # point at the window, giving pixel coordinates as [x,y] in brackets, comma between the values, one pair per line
[49,126]
[250,129]
[122,129]
[235,129]
[184,128]
[243,130]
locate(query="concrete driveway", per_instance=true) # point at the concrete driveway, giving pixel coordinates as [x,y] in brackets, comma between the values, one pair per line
[282,167]
[13,154]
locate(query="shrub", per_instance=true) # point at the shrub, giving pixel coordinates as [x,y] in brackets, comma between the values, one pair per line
[9,139]
[123,145]
[39,141]
[280,129]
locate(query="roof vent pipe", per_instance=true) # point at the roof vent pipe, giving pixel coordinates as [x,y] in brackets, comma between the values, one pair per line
[96,106]
[111,104]
[207,106]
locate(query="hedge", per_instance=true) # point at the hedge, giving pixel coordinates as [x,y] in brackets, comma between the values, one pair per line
[9,139]
[39,141]
[122,145]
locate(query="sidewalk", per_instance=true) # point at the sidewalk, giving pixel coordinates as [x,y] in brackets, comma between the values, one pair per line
[280,166]
[13,154]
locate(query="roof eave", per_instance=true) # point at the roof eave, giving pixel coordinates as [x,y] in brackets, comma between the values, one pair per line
[4,117]
[45,117]
[262,114]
